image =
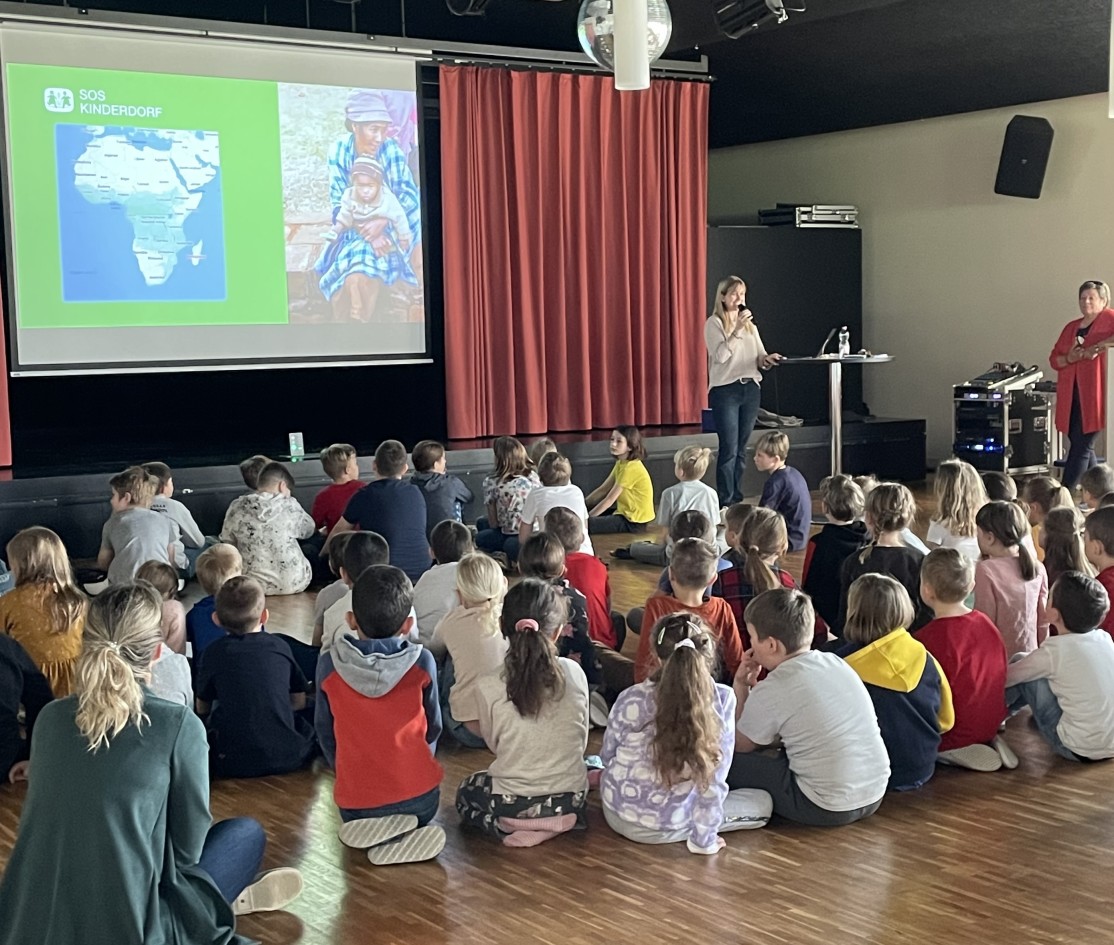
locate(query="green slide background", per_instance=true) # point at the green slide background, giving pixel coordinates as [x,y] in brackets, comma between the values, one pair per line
[245,115]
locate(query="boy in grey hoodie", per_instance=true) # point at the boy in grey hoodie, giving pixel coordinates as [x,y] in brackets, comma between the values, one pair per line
[445,495]
[378,720]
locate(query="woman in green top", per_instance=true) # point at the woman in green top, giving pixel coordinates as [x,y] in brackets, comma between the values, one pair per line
[628,489]
[115,844]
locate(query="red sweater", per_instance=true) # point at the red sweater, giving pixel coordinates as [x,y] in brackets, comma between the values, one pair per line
[589,576]
[328,506]
[1106,579]
[972,655]
[1088,375]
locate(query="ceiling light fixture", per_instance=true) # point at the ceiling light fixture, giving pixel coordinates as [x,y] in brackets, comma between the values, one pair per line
[736,18]
[625,36]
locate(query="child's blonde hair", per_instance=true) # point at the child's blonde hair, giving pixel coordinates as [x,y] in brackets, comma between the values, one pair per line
[539,448]
[686,741]
[877,604]
[843,499]
[693,563]
[959,496]
[216,565]
[1047,494]
[1062,538]
[1006,522]
[773,443]
[890,507]
[335,459]
[161,576]
[481,584]
[533,614]
[736,515]
[950,574]
[37,556]
[763,534]
[692,461]
[511,459]
[554,469]
[136,483]
[122,631]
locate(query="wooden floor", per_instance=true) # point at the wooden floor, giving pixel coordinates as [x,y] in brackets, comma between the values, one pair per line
[1015,857]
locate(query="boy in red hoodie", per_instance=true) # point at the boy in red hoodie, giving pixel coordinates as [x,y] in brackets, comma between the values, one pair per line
[378,719]
[1098,544]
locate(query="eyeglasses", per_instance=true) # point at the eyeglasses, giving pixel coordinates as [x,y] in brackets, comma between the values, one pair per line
[1093,284]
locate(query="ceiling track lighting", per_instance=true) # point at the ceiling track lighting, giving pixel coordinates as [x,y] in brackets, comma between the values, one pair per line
[736,18]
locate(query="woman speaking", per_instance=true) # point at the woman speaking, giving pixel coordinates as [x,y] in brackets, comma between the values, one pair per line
[736,359]
[1079,360]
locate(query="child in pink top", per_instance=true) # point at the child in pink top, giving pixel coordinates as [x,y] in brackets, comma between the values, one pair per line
[1011,586]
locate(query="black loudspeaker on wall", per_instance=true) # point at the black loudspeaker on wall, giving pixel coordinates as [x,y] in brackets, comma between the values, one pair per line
[1024,157]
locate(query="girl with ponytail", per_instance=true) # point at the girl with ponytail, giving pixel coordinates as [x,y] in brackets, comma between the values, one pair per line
[1011,586]
[762,541]
[534,718]
[673,737]
[115,769]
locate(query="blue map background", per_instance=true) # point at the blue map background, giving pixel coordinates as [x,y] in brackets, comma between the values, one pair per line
[98,263]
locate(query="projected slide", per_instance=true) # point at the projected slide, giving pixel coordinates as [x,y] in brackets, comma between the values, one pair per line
[283,217]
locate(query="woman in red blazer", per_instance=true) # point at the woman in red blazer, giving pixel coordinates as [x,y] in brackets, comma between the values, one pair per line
[1079,360]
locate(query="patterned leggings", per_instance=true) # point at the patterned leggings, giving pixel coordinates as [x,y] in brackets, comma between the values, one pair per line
[479,807]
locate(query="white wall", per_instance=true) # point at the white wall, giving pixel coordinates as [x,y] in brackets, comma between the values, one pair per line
[955,277]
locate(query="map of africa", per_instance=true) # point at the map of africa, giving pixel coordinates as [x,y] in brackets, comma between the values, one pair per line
[141,214]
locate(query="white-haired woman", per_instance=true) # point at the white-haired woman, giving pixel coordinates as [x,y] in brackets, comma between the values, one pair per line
[115,842]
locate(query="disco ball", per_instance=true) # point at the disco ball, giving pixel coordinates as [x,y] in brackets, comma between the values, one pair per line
[595,24]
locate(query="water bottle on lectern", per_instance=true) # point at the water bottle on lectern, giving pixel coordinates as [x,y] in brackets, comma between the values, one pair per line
[844,342]
[297,448]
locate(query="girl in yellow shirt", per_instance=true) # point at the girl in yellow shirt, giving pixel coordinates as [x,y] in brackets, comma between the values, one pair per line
[628,489]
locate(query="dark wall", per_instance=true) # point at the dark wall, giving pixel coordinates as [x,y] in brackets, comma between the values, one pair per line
[801,283]
[194,418]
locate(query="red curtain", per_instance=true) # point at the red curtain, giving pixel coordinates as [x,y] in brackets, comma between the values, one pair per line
[575,251]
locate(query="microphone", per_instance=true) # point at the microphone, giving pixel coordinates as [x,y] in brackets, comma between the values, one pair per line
[827,341]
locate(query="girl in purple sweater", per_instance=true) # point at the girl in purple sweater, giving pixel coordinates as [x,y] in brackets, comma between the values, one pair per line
[668,746]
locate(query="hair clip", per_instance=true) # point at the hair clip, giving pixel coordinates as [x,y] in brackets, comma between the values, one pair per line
[526,623]
[687,641]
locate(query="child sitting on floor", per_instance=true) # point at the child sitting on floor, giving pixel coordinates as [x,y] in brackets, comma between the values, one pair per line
[588,575]
[1095,483]
[890,510]
[1042,495]
[692,569]
[970,651]
[1069,680]
[1098,543]
[1061,541]
[959,496]
[910,693]
[133,533]
[378,719]
[250,469]
[1010,585]
[435,592]
[505,492]
[339,463]
[190,541]
[250,683]
[689,466]
[786,490]
[669,744]
[215,566]
[765,540]
[909,538]
[266,527]
[539,448]
[45,614]
[331,593]
[999,486]
[164,579]
[533,715]
[830,767]
[475,645]
[556,491]
[842,502]
[445,494]
[22,686]
[362,550]
[624,501]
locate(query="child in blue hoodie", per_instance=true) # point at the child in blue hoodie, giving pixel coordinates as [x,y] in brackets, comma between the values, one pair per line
[445,495]
[378,720]
[910,692]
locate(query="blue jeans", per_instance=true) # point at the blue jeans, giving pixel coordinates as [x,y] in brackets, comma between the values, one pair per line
[492,540]
[446,678]
[734,410]
[1038,695]
[1081,446]
[232,855]
[424,807]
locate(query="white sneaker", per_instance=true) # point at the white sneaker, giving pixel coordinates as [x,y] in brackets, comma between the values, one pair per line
[598,711]
[271,891]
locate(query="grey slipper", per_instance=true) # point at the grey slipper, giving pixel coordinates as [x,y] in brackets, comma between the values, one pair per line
[271,891]
[372,831]
[418,845]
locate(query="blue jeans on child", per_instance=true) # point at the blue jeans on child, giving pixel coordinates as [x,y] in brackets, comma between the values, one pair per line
[424,807]
[445,680]
[1038,695]
[232,855]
